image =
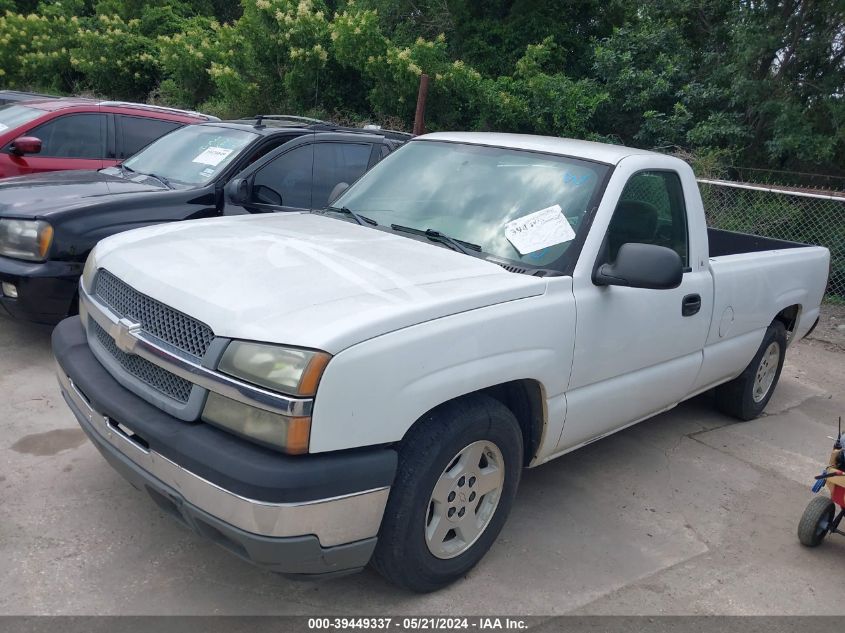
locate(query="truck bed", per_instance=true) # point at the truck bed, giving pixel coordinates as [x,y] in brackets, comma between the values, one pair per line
[733,243]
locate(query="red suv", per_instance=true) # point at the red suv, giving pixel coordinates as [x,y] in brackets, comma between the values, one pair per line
[73,133]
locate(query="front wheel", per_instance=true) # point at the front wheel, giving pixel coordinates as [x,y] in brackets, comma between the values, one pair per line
[458,473]
[747,395]
[815,522]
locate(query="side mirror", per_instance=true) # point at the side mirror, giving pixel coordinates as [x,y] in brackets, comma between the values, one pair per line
[25,145]
[339,188]
[642,266]
[238,191]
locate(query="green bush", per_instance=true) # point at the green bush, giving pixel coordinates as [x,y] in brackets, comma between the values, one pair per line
[719,79]
[34,51]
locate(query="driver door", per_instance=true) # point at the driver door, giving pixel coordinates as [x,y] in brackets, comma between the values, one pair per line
[70,141]
[637,351]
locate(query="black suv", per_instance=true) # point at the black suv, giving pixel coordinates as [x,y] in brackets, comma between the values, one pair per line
[50,222]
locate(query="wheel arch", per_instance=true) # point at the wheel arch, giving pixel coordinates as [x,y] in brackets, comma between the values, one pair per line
[524,398]
[789,317]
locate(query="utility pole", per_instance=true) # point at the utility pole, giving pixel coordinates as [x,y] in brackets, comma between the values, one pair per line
[422,95]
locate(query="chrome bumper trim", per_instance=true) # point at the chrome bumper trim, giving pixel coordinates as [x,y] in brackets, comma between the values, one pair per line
[130,338]
[334,521]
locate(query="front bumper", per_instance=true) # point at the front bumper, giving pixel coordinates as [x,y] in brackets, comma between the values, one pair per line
[306,515]
[45,289]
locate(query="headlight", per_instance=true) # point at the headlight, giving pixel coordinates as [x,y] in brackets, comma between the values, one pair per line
[278,431]
[292,371]
[25,239]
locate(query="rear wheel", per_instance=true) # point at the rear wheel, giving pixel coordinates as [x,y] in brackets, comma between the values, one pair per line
[816,521]
[458,474]
[747,395]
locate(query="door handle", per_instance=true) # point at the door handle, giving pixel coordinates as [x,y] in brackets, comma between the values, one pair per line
[691,305]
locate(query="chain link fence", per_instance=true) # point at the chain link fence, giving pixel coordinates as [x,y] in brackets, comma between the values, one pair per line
[796,215]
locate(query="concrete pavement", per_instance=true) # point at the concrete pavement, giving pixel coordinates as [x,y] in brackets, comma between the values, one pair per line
[689,512]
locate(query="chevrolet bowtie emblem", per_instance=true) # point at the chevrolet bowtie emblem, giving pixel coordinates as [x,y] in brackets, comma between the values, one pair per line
[123,333]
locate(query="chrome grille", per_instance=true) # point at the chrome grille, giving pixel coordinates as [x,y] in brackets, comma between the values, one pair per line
[169,325]
[152,375]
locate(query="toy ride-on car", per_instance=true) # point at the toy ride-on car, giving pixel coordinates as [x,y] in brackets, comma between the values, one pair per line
[821,517]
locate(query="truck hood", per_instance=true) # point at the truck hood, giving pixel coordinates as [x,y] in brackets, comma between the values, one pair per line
[304,279]
[39,195]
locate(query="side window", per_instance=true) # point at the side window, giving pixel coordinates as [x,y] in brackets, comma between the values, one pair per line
[265,148]
[650,211]
[335,163]
[139,132]
[72,136]
[286,180]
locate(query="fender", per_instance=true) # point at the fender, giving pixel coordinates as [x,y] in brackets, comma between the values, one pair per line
[373,392]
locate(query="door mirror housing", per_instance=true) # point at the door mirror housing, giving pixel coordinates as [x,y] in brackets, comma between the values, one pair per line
[238,191]
[25,145]
[642,266]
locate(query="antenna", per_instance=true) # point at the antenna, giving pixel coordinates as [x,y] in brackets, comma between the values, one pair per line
[838,444]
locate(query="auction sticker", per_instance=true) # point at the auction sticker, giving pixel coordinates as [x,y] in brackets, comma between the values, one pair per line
[212,156]
[539,230]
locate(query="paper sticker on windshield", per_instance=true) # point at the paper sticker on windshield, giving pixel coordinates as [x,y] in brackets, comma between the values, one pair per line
[212,156]
[3,127]
[208,172]
[539,230]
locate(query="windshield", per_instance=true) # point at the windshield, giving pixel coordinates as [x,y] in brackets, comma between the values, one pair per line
[12,116]
[518,205]
[191,155]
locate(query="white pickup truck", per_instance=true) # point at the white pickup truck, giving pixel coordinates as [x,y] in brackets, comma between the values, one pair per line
[318,391]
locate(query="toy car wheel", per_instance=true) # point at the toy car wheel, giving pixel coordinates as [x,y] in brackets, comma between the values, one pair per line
[815,522]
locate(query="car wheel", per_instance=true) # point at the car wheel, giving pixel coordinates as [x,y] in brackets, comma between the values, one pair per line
[459,469]
[746,396]
[815,522]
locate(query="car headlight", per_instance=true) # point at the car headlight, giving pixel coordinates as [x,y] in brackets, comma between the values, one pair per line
[296,372]
[290,434]
[288,370]
[25,239]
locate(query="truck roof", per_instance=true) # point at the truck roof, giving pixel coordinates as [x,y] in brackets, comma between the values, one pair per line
[600,152]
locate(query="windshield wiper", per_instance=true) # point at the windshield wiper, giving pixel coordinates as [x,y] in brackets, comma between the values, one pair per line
[458,245]
[161,179]
[360,219]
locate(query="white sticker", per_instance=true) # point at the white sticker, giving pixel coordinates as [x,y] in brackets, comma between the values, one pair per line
[3,127]
[212,156]
[539,230]
[208,172]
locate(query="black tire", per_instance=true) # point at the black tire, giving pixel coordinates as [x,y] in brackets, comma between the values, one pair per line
[815,522]
[736,398]
[402,554]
